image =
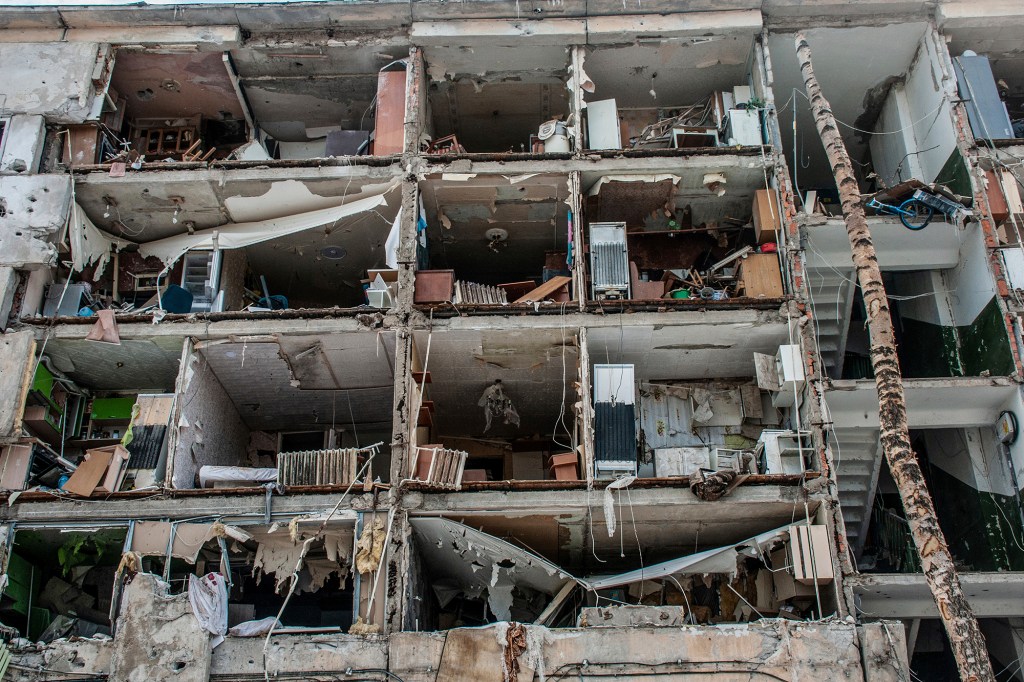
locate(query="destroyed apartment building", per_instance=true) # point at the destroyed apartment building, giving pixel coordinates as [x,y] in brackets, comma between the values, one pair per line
[504,340]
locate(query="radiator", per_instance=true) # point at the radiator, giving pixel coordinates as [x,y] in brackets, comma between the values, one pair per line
[317,467]
[446,466]
[614,420]
[609,260]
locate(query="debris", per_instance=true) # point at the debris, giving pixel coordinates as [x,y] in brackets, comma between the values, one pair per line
[105,329]
[208,597]
[609,501]
[711,485]
[361,628]
[370,547]
[515,644]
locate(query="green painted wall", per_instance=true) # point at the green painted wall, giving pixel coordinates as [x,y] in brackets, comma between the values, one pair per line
[983,530]
[954,175]
[932,350]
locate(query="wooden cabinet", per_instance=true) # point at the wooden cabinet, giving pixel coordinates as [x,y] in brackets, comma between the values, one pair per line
[389,133]
[767,216]
[761,277]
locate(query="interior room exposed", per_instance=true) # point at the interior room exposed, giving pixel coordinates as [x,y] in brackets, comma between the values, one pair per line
[247,402]
[164,105]
[685,92]
[337,98]
[707,233]
[83,398]
[506,398]
[511,233]
[893,111]
[60,582]
[494,97]
[254,103]
[671,400]
[1000,46]
[538,559]
[312,243]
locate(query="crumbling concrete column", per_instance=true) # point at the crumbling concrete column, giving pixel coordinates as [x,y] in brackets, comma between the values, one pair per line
[9,280]
[158,637]
[17,351]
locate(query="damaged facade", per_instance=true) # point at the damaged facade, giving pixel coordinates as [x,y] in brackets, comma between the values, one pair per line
[501,341]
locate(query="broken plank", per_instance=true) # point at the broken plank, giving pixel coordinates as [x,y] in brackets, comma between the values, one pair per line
[544,290]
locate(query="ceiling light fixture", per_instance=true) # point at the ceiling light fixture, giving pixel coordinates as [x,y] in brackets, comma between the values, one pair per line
[497,239]
[333,252]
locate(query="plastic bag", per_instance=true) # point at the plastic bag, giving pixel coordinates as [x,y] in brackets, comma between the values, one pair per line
[253,628]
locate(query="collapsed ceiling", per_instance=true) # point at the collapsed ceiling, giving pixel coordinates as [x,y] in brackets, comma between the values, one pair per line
[647,533]
[323,265]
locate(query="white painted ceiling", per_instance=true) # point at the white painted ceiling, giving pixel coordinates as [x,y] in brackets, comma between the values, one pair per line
[681,72]
[294,264]
[141,365]
[697,351]
[848,62]
[260,384]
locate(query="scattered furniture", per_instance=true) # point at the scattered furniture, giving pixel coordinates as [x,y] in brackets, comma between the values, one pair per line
[161,137]
[767,219]
[643,290]
[549,289]
[389,133]
[101,472]
[760,276]
[434,286]
[446,145]
[562,466]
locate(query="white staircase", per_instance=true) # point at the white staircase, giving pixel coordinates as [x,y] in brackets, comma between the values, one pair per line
[832,300]
[858,460]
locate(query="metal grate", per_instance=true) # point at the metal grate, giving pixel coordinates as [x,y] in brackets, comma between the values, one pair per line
[317,467]
[610,271]
[609,260]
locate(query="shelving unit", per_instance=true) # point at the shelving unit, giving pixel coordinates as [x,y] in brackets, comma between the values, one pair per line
[785,452]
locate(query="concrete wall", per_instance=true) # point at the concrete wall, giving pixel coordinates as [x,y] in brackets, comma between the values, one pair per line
[53,79]
[16,354]
[789,650]
[80,658]
[786,649]
[210,430]
[23,144]
[300,654]
[930,116]
[33,211]
[158,636]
